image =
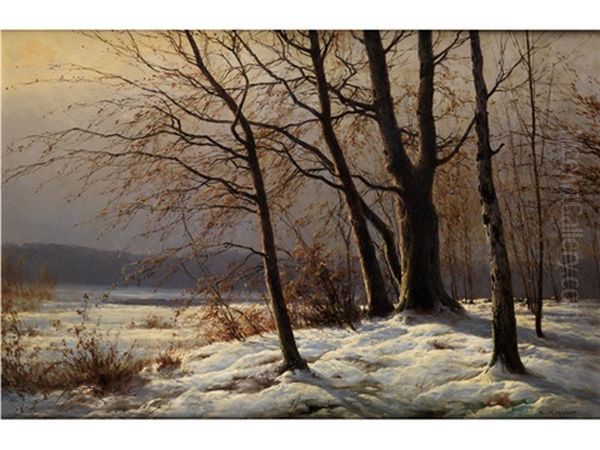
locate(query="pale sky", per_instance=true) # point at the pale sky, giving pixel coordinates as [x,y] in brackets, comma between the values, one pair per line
[32,215]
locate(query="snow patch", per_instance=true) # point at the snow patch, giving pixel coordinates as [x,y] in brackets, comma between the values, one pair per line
[405,366]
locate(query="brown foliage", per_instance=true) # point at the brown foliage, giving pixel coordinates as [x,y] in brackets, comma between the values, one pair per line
[319,294]
[223,322]
[322,293]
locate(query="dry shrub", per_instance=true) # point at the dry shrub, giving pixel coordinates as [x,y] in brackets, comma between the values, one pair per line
[22,300]
[221,321]
[320,292]
[95,361]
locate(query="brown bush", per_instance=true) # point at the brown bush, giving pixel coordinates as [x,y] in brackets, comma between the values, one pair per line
[318,296]
[20,367]
[320,292]
[222,322]
[97,362]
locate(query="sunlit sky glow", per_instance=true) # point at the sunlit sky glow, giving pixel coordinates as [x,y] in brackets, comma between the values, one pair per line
[30,105]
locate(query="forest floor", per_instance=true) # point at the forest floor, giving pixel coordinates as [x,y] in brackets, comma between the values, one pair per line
[405,366]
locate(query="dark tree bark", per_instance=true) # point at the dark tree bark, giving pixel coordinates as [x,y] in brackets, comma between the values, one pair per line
[422,287]
[389,244]
[378,303]
[291,356]
[504,328]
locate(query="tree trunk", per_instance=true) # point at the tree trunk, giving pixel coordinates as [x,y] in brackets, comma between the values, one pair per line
[378,303]
[506,351]
[291,356]
[539,292]
[538,316]
[422,286]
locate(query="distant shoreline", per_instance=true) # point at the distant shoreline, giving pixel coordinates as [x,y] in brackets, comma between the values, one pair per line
[148,296]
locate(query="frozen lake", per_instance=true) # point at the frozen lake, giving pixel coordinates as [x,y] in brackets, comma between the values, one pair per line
[134,295]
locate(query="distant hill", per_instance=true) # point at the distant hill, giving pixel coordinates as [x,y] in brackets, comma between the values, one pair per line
[72,264]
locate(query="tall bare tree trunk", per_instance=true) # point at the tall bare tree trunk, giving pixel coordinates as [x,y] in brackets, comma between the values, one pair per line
[504,327]
[422,287]
[378,303]
[519,235]
[539,292]
[291,356]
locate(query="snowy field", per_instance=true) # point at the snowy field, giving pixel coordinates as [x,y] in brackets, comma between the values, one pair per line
[406,366]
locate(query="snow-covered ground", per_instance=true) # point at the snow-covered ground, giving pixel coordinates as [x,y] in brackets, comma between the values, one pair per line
[405,366]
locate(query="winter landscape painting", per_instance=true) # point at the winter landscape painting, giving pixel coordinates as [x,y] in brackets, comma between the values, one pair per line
[300,224]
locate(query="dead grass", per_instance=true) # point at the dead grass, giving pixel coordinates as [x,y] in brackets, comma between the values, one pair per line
[95,360]
[27,298]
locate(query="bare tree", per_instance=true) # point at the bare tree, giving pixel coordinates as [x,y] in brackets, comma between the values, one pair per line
[295,65]
[378,302]
[177,143]
[579,187]
[536,185]
[422,285]
[291,356]
[527,169]
[506,352]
